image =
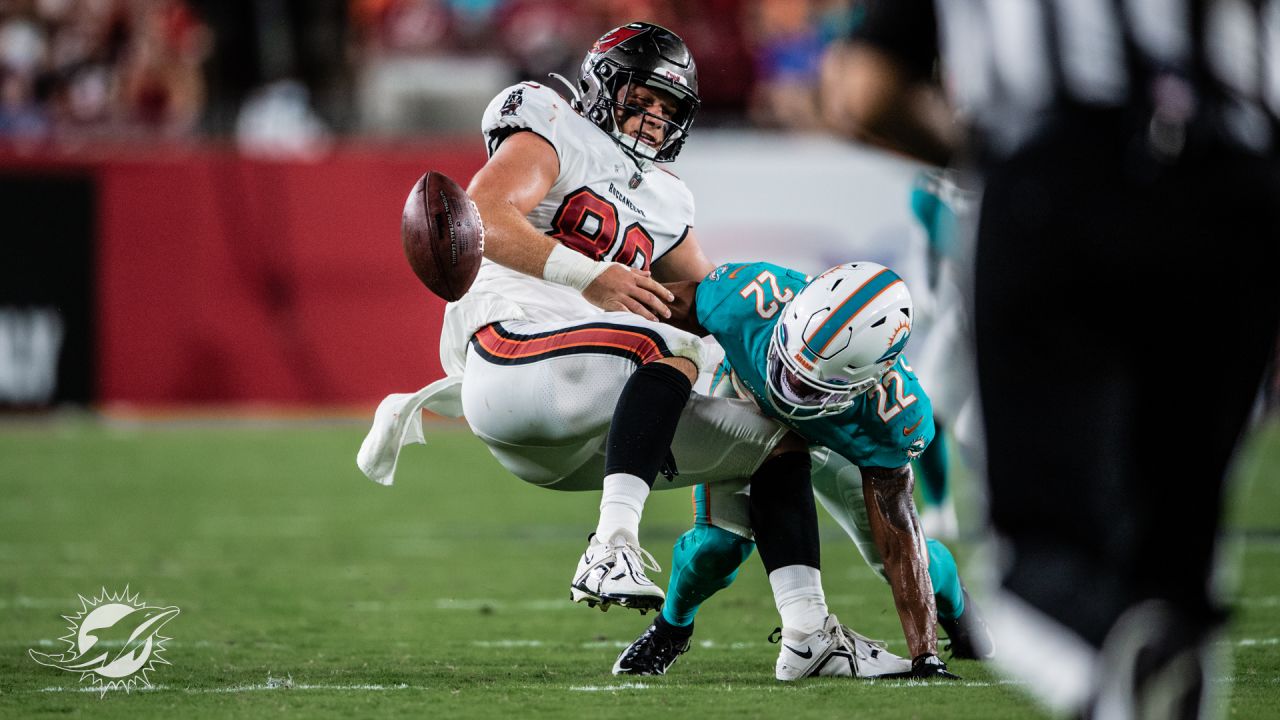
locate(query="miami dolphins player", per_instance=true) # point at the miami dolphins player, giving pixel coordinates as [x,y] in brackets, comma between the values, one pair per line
[823,357]
[941,207]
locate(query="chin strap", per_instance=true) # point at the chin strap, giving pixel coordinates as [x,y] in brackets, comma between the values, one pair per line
[573,90]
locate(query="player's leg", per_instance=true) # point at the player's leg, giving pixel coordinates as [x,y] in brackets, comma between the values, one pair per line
[637,447]
[704,561]
[784,519]
[544,395]
[707,558]
[542,415]
[968,636]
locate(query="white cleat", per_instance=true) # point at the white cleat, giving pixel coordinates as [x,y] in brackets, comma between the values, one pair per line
[613,574]
[871,659]
[827,652]
[834,651]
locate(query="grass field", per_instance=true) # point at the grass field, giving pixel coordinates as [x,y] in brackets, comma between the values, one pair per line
[307,591]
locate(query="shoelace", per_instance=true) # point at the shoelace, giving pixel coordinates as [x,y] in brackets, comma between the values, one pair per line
[851,635]
[665,646]
[647,561]
[662,651]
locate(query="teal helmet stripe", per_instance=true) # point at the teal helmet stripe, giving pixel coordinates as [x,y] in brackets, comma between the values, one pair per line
[844,313]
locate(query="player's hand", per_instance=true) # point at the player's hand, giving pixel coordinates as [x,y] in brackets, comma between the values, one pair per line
[624,288]
[931,667]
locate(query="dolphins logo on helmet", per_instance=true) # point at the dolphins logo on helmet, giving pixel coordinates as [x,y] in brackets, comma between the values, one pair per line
[836,339]
[633,55]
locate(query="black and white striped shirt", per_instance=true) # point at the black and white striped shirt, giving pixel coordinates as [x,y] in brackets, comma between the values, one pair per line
[1175,69]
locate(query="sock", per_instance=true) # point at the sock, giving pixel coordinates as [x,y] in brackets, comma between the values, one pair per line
[677,631]
[945,576]
[621,503]
[783,515]
[797,590]
[644,421]
[705,560]
[931,469]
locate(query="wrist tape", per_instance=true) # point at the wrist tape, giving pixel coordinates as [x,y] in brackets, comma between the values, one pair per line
[567,267]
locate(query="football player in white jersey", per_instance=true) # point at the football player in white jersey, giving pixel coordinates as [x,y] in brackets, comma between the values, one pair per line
[559,338]
[570,379]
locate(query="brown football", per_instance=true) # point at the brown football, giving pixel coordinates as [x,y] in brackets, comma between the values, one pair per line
[443,236]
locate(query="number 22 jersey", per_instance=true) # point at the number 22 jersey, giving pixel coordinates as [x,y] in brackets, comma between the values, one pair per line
[603,204]
[886,426]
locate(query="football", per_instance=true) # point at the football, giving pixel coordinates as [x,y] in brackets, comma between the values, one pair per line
[443,236]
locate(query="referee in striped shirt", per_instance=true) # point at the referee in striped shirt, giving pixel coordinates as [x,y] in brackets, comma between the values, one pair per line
[1125,305]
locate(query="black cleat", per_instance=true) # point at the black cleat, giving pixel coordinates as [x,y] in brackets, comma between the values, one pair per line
[968,636]
[654,651]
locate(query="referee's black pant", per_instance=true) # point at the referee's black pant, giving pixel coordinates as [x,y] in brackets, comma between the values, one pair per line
[1125,312]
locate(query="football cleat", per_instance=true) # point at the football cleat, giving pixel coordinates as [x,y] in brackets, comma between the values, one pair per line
[613,574]
[870,658]
[968,636]
[829,651]
[925,667]
[654,651]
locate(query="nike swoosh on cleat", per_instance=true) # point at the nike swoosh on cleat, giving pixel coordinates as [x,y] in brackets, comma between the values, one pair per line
[909,430]
[806,654]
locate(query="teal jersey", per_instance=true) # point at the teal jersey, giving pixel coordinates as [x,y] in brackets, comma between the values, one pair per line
[886,427]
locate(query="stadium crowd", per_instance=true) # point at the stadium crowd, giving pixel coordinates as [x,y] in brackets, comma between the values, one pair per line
[95,68]
[144,69]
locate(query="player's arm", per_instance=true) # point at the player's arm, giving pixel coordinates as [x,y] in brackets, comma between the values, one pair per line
[680,271]
[509,186]
[891,510]
[685,261]
[684,308]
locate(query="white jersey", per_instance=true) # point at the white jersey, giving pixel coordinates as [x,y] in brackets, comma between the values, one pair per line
[603,204]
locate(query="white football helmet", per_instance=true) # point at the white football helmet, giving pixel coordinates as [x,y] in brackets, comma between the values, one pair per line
[836,339]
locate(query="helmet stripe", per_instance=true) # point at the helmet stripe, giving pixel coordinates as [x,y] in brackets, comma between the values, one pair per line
[845,312]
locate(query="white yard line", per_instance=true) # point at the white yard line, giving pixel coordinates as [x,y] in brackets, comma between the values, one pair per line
[1254,642]
[241,688]
[608,688]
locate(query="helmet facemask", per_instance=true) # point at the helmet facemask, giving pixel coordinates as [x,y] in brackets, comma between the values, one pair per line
[835,340]
[797,394]
[633,56]
[620,110]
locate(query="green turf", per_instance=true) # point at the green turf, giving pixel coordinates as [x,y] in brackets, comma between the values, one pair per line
[446,592]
